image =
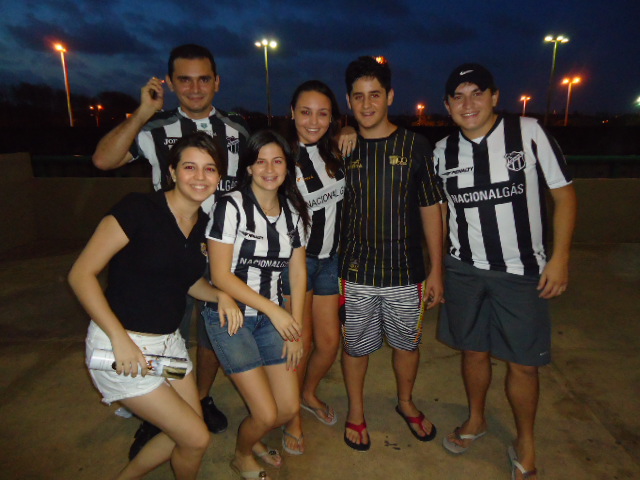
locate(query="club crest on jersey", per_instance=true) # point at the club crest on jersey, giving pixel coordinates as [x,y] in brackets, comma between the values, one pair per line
[203,249]
[171,141]
[233,144]
[355,163]
[515,161]
[398,160]
[354,265]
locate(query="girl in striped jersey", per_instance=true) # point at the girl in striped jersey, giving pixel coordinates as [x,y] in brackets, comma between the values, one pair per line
[320,178]
[255,232]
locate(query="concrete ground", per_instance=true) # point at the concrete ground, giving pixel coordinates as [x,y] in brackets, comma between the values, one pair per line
[53,425]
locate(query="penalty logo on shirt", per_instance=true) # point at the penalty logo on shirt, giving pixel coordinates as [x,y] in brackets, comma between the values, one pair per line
[515,161]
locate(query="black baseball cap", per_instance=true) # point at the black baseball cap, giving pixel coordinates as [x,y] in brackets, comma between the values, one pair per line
[469,73]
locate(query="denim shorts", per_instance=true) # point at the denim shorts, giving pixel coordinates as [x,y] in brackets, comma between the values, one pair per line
[114,387]
[322,276]
[256,344]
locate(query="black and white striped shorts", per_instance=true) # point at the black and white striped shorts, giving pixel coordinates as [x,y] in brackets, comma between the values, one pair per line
[367,313]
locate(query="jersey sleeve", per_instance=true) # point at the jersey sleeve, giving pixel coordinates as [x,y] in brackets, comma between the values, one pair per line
[550,158]
[301,239]
[225,218]
[428,186]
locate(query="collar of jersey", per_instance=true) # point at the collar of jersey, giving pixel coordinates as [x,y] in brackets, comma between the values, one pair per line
[211,114]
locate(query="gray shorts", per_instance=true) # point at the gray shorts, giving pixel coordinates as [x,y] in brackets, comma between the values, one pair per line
[497,312]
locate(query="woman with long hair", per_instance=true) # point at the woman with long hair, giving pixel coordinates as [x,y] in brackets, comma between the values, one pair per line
[154,247]
[320,179]
[256,230]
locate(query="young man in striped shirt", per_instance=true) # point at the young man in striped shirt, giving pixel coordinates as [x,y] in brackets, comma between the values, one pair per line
[495,173]
[391,200]
[150,133]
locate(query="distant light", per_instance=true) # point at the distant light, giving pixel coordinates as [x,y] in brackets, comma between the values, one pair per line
[573,81]
[381,60]
[59,47]
[267,43]
[557,39]
[638,101]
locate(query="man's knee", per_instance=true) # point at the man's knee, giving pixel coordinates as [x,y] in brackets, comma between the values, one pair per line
[523,370]
[475,357]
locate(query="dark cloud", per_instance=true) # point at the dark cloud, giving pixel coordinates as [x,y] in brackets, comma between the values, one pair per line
[82,37]
[118,44]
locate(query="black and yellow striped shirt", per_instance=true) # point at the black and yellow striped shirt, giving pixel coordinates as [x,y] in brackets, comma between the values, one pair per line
[387,181]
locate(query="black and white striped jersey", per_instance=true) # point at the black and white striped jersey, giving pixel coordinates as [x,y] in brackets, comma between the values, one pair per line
[496,187]
[324,196]
[262,246]
[165,128]
[387,181]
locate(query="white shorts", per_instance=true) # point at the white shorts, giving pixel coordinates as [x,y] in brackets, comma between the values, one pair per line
[114,387]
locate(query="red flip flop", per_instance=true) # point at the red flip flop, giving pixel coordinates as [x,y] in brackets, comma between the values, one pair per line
[361,447]
[418,422]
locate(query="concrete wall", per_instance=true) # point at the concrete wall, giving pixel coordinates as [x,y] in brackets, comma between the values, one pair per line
[17,198]
[49,209]
[608,210]
[66,208]
[71,208]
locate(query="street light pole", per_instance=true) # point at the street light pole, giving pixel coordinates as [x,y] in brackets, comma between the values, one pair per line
[266,44]
[569,83]
[62,51]
[96,114]
[550,39]
[524,99]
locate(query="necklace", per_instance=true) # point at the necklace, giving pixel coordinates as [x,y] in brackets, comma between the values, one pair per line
[191,218]
[270,209]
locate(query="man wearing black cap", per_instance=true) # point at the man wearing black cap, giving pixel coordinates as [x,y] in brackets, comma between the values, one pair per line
[495,172]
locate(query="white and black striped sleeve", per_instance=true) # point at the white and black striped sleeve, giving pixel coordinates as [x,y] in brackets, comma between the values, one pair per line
[224,221]
[549,156]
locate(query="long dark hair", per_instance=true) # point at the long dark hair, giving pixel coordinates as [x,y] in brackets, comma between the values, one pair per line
[328,145]
[288,189]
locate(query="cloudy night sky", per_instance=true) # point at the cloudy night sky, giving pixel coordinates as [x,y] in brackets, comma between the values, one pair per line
[118,45]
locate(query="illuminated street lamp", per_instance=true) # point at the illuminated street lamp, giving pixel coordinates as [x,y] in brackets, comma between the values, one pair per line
[524,99]
[421,120]
[96,112]
[550,39]
[266,44]
[60,48]
[569,83]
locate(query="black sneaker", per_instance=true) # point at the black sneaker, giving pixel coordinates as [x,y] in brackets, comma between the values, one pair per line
[214,418]
[146,431]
